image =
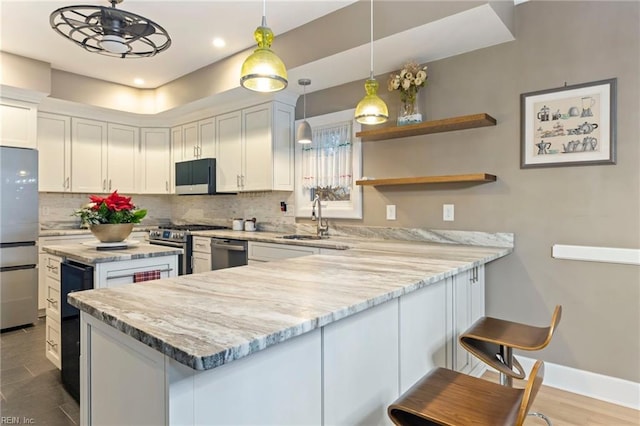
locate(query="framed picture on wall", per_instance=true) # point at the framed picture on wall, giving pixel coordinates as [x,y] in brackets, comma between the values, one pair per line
[569,126]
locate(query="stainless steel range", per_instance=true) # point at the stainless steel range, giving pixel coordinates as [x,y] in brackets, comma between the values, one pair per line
[180,236]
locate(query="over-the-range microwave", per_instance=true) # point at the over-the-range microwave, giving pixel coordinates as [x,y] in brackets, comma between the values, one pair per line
[196,177]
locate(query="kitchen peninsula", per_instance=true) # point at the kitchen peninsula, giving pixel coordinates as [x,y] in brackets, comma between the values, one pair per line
[118,266]
[321,339]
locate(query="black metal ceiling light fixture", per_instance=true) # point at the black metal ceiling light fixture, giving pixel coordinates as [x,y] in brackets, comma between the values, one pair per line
[110,31]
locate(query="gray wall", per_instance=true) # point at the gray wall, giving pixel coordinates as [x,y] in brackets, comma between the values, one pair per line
[556,42]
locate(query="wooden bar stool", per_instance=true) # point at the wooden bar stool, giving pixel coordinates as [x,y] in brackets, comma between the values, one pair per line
[446,397]
[492,340]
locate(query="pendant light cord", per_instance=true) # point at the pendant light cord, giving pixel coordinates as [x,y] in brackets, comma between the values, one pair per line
[264,13]
[371,39]
[304,102]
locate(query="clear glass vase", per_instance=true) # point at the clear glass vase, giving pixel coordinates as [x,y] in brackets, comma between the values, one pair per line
[409,111]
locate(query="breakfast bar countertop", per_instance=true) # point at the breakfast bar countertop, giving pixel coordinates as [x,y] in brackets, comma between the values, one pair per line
[209,319]
[90,255]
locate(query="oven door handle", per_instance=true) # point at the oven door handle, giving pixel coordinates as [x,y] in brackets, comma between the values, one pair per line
[166,243]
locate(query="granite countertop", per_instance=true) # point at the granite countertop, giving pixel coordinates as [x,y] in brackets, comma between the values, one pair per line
[339,243]
[59,232]
[89,255]
[209,319]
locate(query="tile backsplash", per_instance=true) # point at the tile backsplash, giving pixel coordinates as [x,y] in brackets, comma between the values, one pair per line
[221,209]
[56,209]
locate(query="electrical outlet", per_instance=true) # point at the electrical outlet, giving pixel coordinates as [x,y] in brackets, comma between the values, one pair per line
[391,212]
[447,212]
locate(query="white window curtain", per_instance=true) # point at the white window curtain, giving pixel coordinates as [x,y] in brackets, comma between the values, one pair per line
[327,163]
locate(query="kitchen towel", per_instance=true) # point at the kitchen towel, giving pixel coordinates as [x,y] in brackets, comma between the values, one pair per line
[139,277]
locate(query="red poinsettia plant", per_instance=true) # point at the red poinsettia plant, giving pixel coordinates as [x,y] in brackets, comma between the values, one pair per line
[115,208]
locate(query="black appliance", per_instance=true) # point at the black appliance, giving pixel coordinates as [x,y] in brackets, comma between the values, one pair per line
[196,177]
[179,236]
[74,277]
[227,253]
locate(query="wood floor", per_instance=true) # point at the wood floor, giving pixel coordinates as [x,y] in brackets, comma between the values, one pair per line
[569,409]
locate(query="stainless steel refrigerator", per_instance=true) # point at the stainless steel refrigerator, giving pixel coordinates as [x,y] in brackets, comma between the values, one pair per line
[18,235]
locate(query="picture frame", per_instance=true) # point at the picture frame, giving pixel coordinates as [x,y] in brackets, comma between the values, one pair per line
[569,126]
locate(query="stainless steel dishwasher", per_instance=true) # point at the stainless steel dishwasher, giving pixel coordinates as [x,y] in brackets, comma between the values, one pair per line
[227,253]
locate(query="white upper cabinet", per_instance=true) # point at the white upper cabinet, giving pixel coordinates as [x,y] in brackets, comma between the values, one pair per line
[122,148]
[155,161]
[190,141]
[257,167]
[198,139]
[207,138]
[88,155]
[228,151]
[54,148]
[255,149]
[103,156]
[18,123]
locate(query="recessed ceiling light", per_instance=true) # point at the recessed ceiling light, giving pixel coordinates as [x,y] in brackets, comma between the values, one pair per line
[138,81]
[218,42]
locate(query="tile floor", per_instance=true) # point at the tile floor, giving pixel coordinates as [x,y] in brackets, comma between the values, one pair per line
[30,386]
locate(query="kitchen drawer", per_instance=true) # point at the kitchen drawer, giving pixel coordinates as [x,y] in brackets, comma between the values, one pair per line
[53,299]
[202,245]
[52,267]
[52,342]
[267,251]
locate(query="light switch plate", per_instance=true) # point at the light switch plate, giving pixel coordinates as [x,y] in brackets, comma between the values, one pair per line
[391,212]
[447,212]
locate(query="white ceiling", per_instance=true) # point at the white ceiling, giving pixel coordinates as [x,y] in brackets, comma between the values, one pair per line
[192,25]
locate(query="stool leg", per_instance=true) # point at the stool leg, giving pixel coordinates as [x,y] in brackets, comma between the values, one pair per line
[506,353]
[542,416]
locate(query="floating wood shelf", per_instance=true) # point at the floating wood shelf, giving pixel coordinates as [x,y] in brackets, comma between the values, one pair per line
[436,126]
[471,178]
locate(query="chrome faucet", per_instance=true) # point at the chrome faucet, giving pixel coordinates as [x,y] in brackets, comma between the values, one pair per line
[321,229]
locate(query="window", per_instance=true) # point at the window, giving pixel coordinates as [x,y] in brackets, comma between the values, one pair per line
[329,166]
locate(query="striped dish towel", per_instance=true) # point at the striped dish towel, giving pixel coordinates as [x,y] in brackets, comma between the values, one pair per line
[139,277]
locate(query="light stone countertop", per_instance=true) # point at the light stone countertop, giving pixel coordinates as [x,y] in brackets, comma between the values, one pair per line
[209,319]
[90,255]
[61,232]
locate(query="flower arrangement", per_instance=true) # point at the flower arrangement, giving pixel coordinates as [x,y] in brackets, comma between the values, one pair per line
[113,209]
[409,81]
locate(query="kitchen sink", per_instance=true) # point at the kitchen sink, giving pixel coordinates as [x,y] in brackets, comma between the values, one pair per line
[301,237]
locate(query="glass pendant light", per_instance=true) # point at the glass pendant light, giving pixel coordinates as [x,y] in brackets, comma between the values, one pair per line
[263,71]
[303,134]
[371,109]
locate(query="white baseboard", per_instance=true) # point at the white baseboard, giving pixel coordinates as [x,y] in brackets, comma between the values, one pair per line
[594,385]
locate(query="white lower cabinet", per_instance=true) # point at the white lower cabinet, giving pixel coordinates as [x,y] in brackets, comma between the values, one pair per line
[201,256]
[267,252]
[51,266]
[49,289]
[467,305]
[52,342]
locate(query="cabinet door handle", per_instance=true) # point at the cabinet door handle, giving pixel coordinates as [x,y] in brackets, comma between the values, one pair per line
[50,343]
[109,184]
[54,269]
[195,152]
[53,302]
[104,184]
[242,180]
[166,185]
[238,181]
